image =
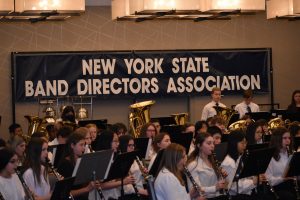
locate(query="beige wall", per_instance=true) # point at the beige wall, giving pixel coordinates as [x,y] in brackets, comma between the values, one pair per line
[95,31]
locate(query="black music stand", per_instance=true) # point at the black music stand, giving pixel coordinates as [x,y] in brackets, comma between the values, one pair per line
[296,143]
[62,189]
[184,139]
[172,129]
[221,151]
[120,168]
[256,162]
[100,123]
[260,115]
[142,145]
[92,167]
[165,120]
[253,147]
[58,152]
[293,168]
[154,169]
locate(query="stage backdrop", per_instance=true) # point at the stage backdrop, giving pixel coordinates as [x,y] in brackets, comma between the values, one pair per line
[139,74]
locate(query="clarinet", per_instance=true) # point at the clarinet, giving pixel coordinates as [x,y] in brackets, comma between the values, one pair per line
[219,174]
[141,166]
[195,185]
[136,191]
[1,197]
[29,194]
[296,186]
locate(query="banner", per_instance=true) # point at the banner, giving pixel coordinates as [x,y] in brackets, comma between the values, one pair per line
[143,74]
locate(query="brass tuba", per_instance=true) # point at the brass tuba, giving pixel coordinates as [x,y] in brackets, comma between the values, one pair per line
[180,118]
[238,125]
[139,115]
[275,123]
[36,124]
[225,114]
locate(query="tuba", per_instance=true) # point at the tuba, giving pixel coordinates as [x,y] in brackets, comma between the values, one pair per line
[275,123]
[225,114]
[139,115]
[238,125]
[180,118]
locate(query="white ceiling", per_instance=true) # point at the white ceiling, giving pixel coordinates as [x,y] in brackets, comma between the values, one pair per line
[98,2]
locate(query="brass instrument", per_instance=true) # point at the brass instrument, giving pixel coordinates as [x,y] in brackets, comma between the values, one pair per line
[139,115]
[180,118]
[28,192]
[225,113]
[195,185]
[275,123]
[238,125]
[1,197]
[295,181]
[37,124]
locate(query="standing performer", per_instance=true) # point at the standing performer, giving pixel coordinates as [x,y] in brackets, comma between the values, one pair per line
[295,102]
[10,185]
[247,106]
[169,183]
[209,110]
[203,168]
[36,174]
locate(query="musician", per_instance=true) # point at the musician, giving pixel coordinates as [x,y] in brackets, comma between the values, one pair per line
[220,123]
[36,174]
[254,133]
[209,110]
[127,145]
[75,148]
[202,166]
[18,145]
[294,107]
[10,186]
[189,128]
[233,163]
[200,127]
[281,141]
[68,115]
[111,189]
[119,128]
[148,130]
[62,136]
[161,141]
[93,131]
[247,105]
[156,123]
[15,129]
[216,133]
[87,137]
[169,184]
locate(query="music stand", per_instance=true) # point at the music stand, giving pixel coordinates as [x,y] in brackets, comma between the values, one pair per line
[293,166]
[235,117]
[58,152]
[164,120]
[183,139]
[256,162]
[120,168]
[260,115]
[142,145]
[296,143]
[172,129]
[62,189]
[221,151]
[253,147]
[100,123]
[154,169]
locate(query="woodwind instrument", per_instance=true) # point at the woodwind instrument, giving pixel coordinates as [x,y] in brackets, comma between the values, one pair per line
[136,191]
[1,197]
[295,181]
[219,174]
[142,169]
[28,192]
[195,185]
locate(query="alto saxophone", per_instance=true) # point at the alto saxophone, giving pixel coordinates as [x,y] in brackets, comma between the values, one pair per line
[28,192]
[195,185]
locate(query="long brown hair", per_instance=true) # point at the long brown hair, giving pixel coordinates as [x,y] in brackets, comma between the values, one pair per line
[157,139]
[276,141]
[74,138]
[171,157]
[33,158]
[196,153]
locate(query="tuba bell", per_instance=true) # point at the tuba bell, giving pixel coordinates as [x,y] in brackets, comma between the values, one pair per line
[225,113]
[275,123]
[180,118]
[139,115]
[238,125]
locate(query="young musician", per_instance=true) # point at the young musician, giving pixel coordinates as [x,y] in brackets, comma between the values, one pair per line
[18,145]
[200,127]
[10,185]
[169,183]
[127,145]
[87,137]
[281,141]
[209,110]
[216,133]
[93,131]
[254,133]
[75,149]
[36,174]
[161,141]
[233,163]
[294,107]
[148,130]
[247,106]
[111,189]
[203,167]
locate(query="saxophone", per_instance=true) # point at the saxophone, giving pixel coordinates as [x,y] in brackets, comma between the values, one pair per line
[28,192]
[195,185]
[296,186]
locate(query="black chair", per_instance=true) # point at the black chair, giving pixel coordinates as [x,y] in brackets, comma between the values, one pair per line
[150,187]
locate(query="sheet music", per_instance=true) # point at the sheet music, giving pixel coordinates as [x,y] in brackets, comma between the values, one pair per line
[76,167]
[108,167]
[148,149]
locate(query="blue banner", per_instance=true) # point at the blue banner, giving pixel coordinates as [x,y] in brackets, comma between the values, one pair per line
[142,74]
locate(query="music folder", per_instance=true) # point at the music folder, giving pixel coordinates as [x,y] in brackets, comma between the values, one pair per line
[292,168]
[184,139]
[142,145]
[154,169]
[221,151]
[57,153]
[62,189]
[253,147]
[92,166]
[260,115]
[256,162]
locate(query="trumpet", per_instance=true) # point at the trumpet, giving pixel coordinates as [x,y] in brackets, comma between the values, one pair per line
[28,192]
[1,197]
[195,185]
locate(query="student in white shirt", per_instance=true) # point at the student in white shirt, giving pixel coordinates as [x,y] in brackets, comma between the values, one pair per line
[254,133]
[36,174]
[209,110]
[169,183]
[10,185]
[247,106]
[203,168]
[233,163]
[283,186]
